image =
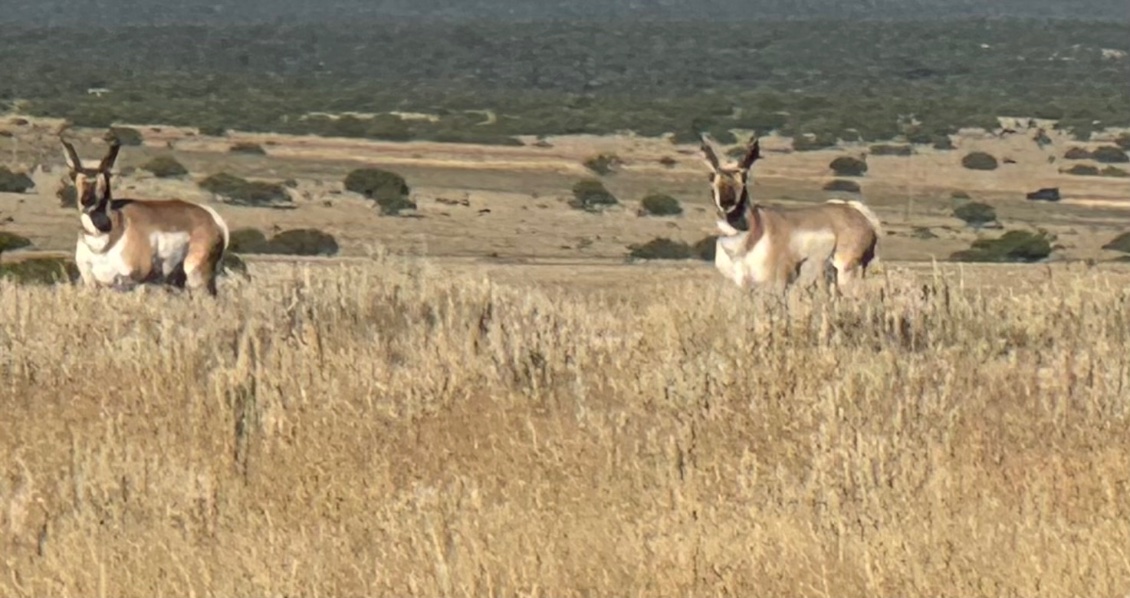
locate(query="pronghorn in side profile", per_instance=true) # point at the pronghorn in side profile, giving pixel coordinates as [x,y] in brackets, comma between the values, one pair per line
[127,242]
[768,245]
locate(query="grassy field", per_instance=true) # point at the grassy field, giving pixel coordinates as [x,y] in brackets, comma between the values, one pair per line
[396,427]
[493,403]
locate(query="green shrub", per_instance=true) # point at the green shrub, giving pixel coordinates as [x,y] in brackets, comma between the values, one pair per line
[979,161]
[848,166]
[126,135]
[14,182]
[704,248]
[1114,172]
[661,248]
[603,164]
[886,149]
[975,214]
[10,241]
[1110,154]
[842,185]
[943,142]
[67,196]
[388,189]
[1120,243]
[40,270]
[659,204]
[247,147]
[298,241]
[1076,153]
[1123,141]
[165,167]
[1083,170]
[212,131]
[234,263]
[303,241]
[959,194]
[247,240]
[1013,246]
[239,191]
[591,195]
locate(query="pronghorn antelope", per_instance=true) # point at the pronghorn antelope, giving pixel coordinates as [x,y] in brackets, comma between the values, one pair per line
[762,245]
[127,242]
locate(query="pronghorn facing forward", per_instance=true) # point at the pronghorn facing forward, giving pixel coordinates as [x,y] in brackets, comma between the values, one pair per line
[769,245]
[127,242]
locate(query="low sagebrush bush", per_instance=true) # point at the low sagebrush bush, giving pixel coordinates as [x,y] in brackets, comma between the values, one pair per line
[10,241]
[164,167]
[40,270]
[236,190]
[591,195]
[660,204]
[661,248]
[14,182]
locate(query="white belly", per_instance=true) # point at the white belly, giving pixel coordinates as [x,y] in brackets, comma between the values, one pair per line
[112,267]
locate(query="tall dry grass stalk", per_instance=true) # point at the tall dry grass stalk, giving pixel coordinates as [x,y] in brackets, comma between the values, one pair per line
[384,429]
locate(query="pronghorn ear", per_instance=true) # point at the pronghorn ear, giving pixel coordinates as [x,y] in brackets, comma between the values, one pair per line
[752,153]
[708,153]
[71,156]
[111,155]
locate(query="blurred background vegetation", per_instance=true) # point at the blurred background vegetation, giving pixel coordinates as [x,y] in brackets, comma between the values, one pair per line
[487,80]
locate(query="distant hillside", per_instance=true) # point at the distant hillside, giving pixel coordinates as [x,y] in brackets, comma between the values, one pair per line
[111,12]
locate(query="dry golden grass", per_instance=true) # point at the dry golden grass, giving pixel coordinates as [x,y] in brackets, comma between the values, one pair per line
[389,428]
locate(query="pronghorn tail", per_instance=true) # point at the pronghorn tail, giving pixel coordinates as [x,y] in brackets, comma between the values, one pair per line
[871,217]
[225,266]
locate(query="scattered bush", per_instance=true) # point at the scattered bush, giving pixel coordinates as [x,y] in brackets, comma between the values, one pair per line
[923,232]
[959,194]
[1114,172]
[1121,243]
[1044,194]
[10,241]
[1123,141]
[668,161]
[1083,170]
[943,142]
[886,149]
[1013,246]
[603,164]
[661,248]
[979,161]
[388,189]
[848,166]
[1110,154]
[14,182]
[125,135]
[975,214]
[68,197]
[247,147]
[212,131]
[842,185]
[40,270]
[704,248]
[234,263]
[299,241]
[303,241]
[1077,153]
[591,195]
[247,240]
[659,204]
[239,191]
[165,167]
